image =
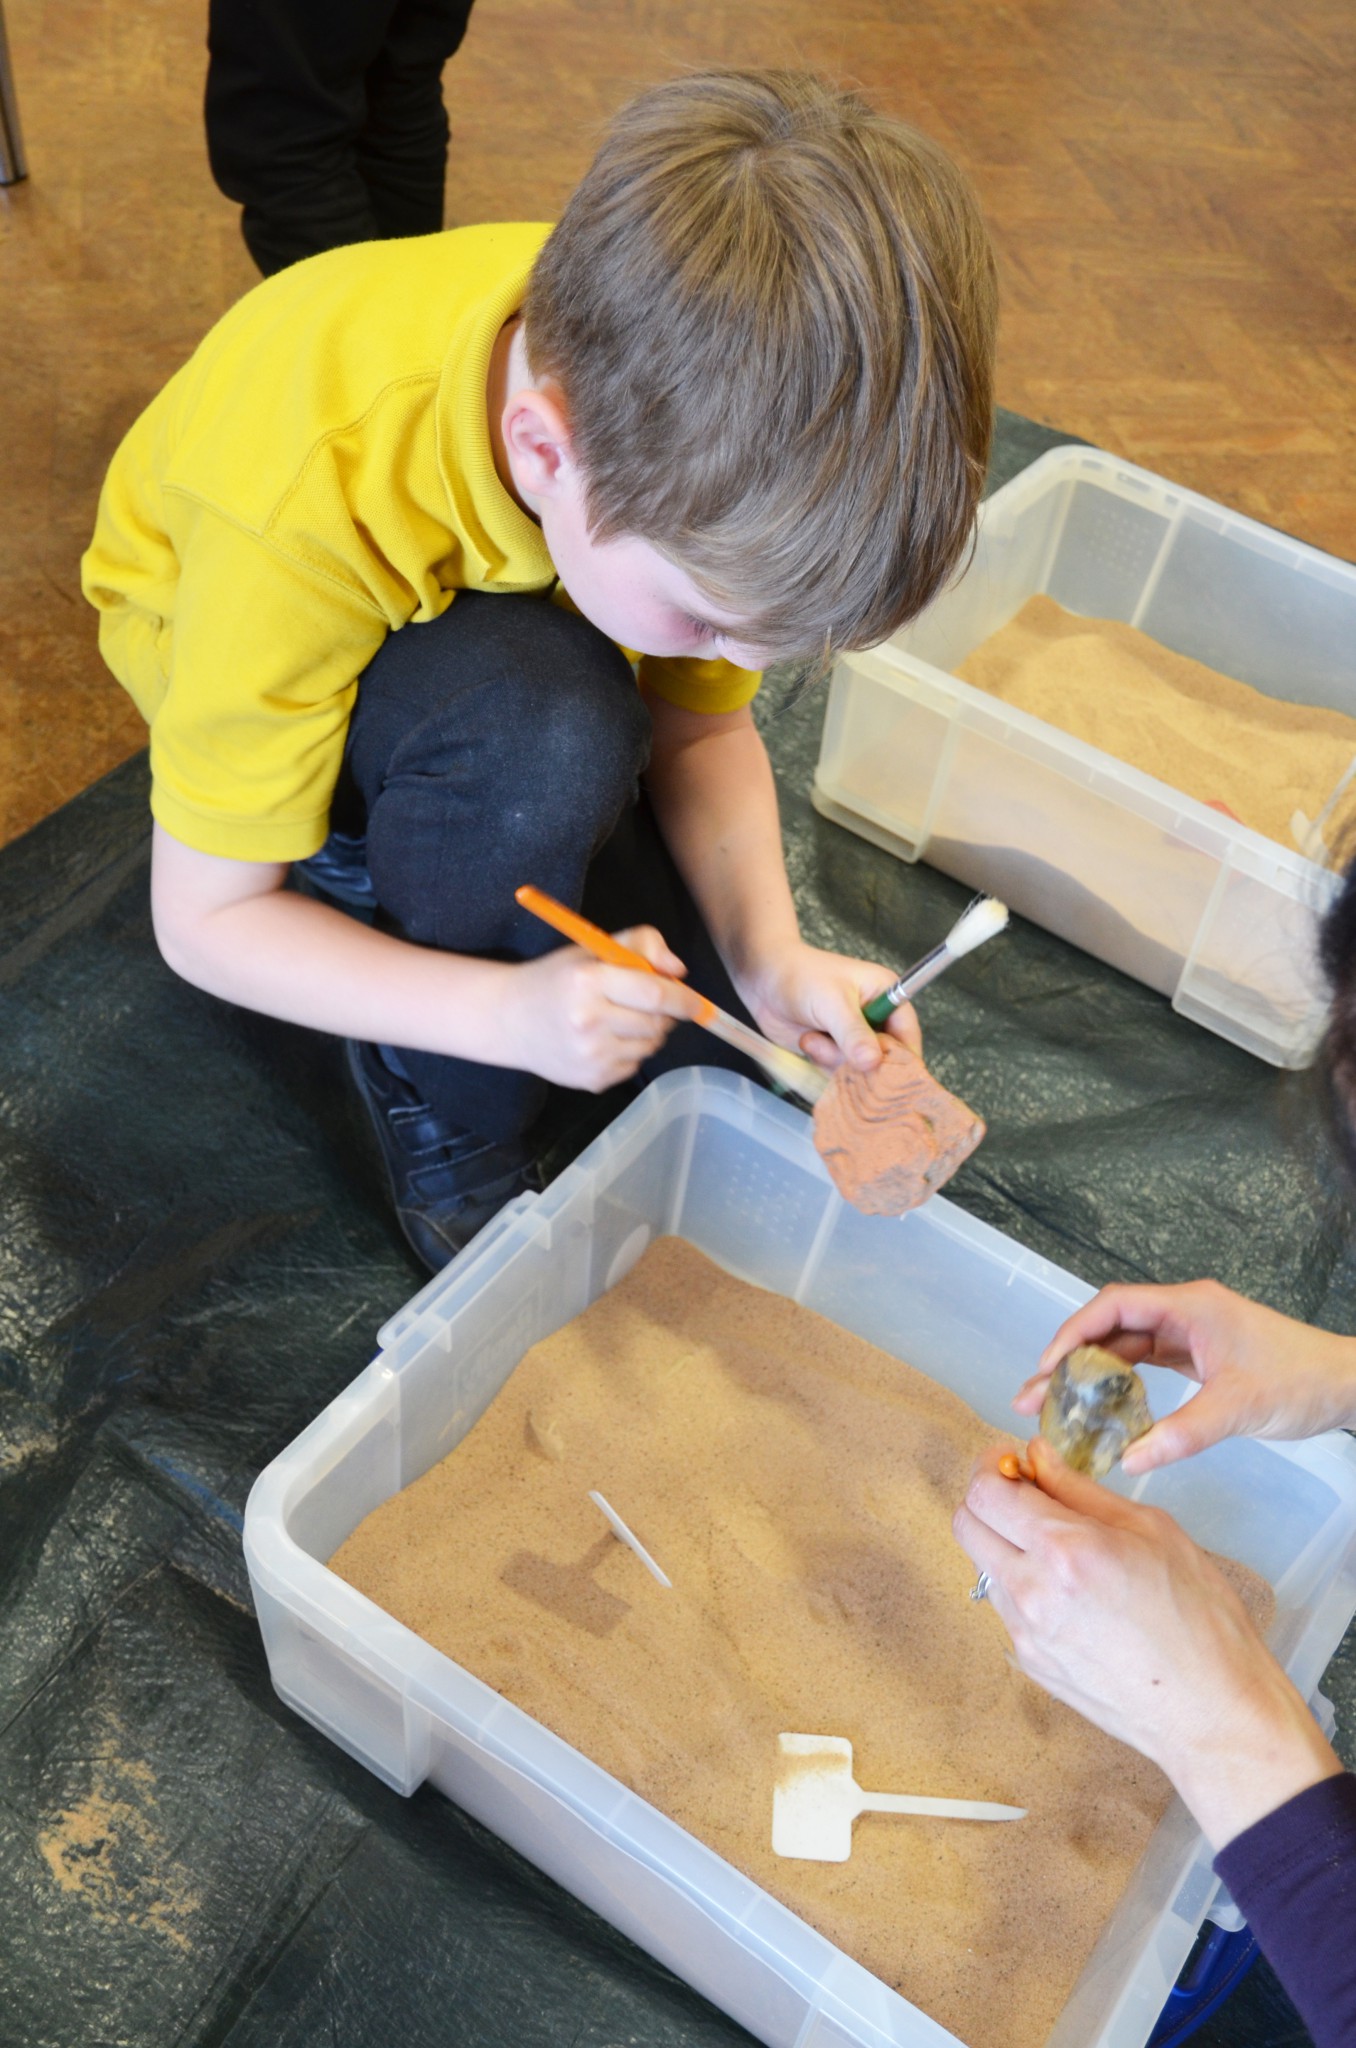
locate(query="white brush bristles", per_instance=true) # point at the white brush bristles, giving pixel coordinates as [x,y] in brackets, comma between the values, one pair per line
[794,1072]
[983,920]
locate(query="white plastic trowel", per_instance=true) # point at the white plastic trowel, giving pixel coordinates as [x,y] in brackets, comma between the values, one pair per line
[816,1800]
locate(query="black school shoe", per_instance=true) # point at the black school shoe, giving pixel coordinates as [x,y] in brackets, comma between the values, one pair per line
[446,1182]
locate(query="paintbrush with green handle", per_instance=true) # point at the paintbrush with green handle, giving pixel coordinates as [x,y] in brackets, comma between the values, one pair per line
[791,1070]
[984,919]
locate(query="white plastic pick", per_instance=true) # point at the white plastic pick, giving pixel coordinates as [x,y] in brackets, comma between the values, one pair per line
[632,1542]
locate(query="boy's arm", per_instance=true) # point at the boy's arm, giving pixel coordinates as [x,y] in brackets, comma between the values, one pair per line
[711,785]
[229,927]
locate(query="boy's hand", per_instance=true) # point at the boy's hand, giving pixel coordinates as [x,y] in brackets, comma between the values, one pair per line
[1113,1609]
[811,1002]
[583,1024]
[1260,1373]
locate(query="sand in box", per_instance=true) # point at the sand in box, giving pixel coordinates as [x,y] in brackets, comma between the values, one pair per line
[1201,732]
[797,1484]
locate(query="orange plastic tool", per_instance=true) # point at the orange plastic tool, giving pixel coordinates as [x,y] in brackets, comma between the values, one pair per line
[594,939]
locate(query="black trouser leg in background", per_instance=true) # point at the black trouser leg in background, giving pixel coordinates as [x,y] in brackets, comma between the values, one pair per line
[325,118]
[402,151]
[502,744]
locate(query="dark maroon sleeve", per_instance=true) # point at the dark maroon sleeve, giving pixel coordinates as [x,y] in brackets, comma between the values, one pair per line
[1293,1878]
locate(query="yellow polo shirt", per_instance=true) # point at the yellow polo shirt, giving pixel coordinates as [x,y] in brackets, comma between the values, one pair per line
[318,474]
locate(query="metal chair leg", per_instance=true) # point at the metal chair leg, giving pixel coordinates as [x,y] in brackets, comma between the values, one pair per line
[13,164]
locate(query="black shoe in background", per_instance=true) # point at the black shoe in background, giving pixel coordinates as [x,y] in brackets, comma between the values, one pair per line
[446,1182]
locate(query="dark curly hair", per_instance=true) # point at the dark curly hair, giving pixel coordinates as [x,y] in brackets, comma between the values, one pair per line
[1337,1054]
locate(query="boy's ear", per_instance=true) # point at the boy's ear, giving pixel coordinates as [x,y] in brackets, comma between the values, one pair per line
[537,439]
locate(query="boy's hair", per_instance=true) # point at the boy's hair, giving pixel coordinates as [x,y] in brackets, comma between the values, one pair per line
[770,311]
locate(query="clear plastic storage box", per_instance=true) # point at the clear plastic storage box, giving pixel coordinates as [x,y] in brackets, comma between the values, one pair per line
[708,1156]
[1169,890]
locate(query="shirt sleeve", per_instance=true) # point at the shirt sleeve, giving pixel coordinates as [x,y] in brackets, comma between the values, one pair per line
[699,685]
[1292,1875]
[265,656]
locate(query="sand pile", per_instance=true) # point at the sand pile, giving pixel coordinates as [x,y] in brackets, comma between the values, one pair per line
[1213,738]
[797,1485]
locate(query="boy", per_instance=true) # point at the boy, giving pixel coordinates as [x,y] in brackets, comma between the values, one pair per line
[738,402]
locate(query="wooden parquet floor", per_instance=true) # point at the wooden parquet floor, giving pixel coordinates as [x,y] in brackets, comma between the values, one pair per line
[1169,184]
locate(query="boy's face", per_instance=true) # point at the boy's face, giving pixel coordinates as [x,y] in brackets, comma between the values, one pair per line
[624,587]
[637,596]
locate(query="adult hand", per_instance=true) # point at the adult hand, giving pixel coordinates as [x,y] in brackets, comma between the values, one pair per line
[1113,1609]
[812,1001]
[1260,1373]
[585,1024]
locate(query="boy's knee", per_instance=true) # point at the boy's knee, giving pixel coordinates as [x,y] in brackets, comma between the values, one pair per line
[575,702]
[520,719]
[557,700]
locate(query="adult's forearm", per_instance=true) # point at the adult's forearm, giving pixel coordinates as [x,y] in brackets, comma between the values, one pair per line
[291,957]
[1260,1751]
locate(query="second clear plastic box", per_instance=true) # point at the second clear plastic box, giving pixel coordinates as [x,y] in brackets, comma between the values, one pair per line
[1165,888]
[722,1164]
